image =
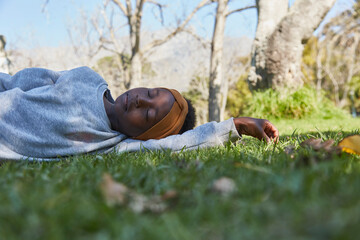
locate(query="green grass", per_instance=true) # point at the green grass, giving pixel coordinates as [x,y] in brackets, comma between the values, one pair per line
[317,125]
[278,196]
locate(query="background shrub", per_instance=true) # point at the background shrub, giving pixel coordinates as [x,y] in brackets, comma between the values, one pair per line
[238,96]
[303,103]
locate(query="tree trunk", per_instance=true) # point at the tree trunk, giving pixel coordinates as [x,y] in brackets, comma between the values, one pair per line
[135,71]
[319,74]
[350,72]
[278,65]
[134,21]
[270,14]
[217,81]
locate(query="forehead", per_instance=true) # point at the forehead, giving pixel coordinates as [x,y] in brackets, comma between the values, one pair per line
[165,101]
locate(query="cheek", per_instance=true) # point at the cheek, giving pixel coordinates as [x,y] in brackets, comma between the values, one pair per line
[135,119]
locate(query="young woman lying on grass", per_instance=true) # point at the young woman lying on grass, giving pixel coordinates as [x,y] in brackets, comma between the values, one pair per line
[46,114]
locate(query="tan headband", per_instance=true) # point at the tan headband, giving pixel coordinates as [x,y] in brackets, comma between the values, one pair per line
[173,121]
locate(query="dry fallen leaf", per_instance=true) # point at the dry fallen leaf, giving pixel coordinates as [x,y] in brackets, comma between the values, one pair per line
[114,192]
[252,167]
[171,194]
[351,144]
[225,186]
[324,149]
[140,203]
[289,150]
[312,142]
[318,145]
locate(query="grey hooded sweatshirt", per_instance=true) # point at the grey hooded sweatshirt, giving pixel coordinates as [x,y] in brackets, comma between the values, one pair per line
[46,114]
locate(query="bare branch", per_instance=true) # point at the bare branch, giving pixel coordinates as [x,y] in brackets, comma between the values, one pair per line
[108,49]
[111,30]
[203,42]
[75,48]
[102,38]
[139,9]
[139,3]
[160,6]
[180,28]
[128,8]
[97,28]
[43,9]
[122,7]
[239,10]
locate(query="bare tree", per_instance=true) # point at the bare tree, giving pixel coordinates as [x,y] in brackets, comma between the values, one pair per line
[340,48]
[279,40]
[83,39]
[133,12]
[218,87]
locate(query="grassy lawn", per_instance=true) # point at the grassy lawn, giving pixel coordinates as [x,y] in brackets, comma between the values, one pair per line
[317,125]
[278,194]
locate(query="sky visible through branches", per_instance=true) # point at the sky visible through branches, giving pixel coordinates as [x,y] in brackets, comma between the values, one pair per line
[23,20]
[28,24]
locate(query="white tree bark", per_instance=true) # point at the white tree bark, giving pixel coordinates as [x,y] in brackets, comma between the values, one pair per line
[270,13]
[135,71]
[278,65]
[217,83]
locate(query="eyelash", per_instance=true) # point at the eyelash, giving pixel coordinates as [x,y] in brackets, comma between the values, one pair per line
[147,111]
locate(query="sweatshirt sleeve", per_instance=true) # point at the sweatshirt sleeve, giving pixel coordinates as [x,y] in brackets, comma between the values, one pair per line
[28,79]
[207,135]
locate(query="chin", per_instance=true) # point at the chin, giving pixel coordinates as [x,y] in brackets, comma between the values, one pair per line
[118,98]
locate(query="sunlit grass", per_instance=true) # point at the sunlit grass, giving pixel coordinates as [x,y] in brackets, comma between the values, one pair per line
[277,196]
[314,125]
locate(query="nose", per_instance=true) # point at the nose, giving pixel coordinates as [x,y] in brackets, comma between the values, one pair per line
[142,101]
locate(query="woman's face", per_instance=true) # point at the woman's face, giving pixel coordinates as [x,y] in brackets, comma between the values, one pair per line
[141,108]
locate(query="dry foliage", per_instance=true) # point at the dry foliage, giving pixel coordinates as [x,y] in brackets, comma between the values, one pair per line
[117,194]
[225,186]
[323,150]
[351,144]
[318,145]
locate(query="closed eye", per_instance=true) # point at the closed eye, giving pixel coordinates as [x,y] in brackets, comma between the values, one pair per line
[147,114]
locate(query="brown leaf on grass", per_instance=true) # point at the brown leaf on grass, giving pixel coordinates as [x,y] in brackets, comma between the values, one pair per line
[225,186]
[252,167]
[113,192]
[328,145]
[312,142]
[350,144]
[324,152]
[289,150]
[318,145]
[116,193]
[140,203]
[171,194]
